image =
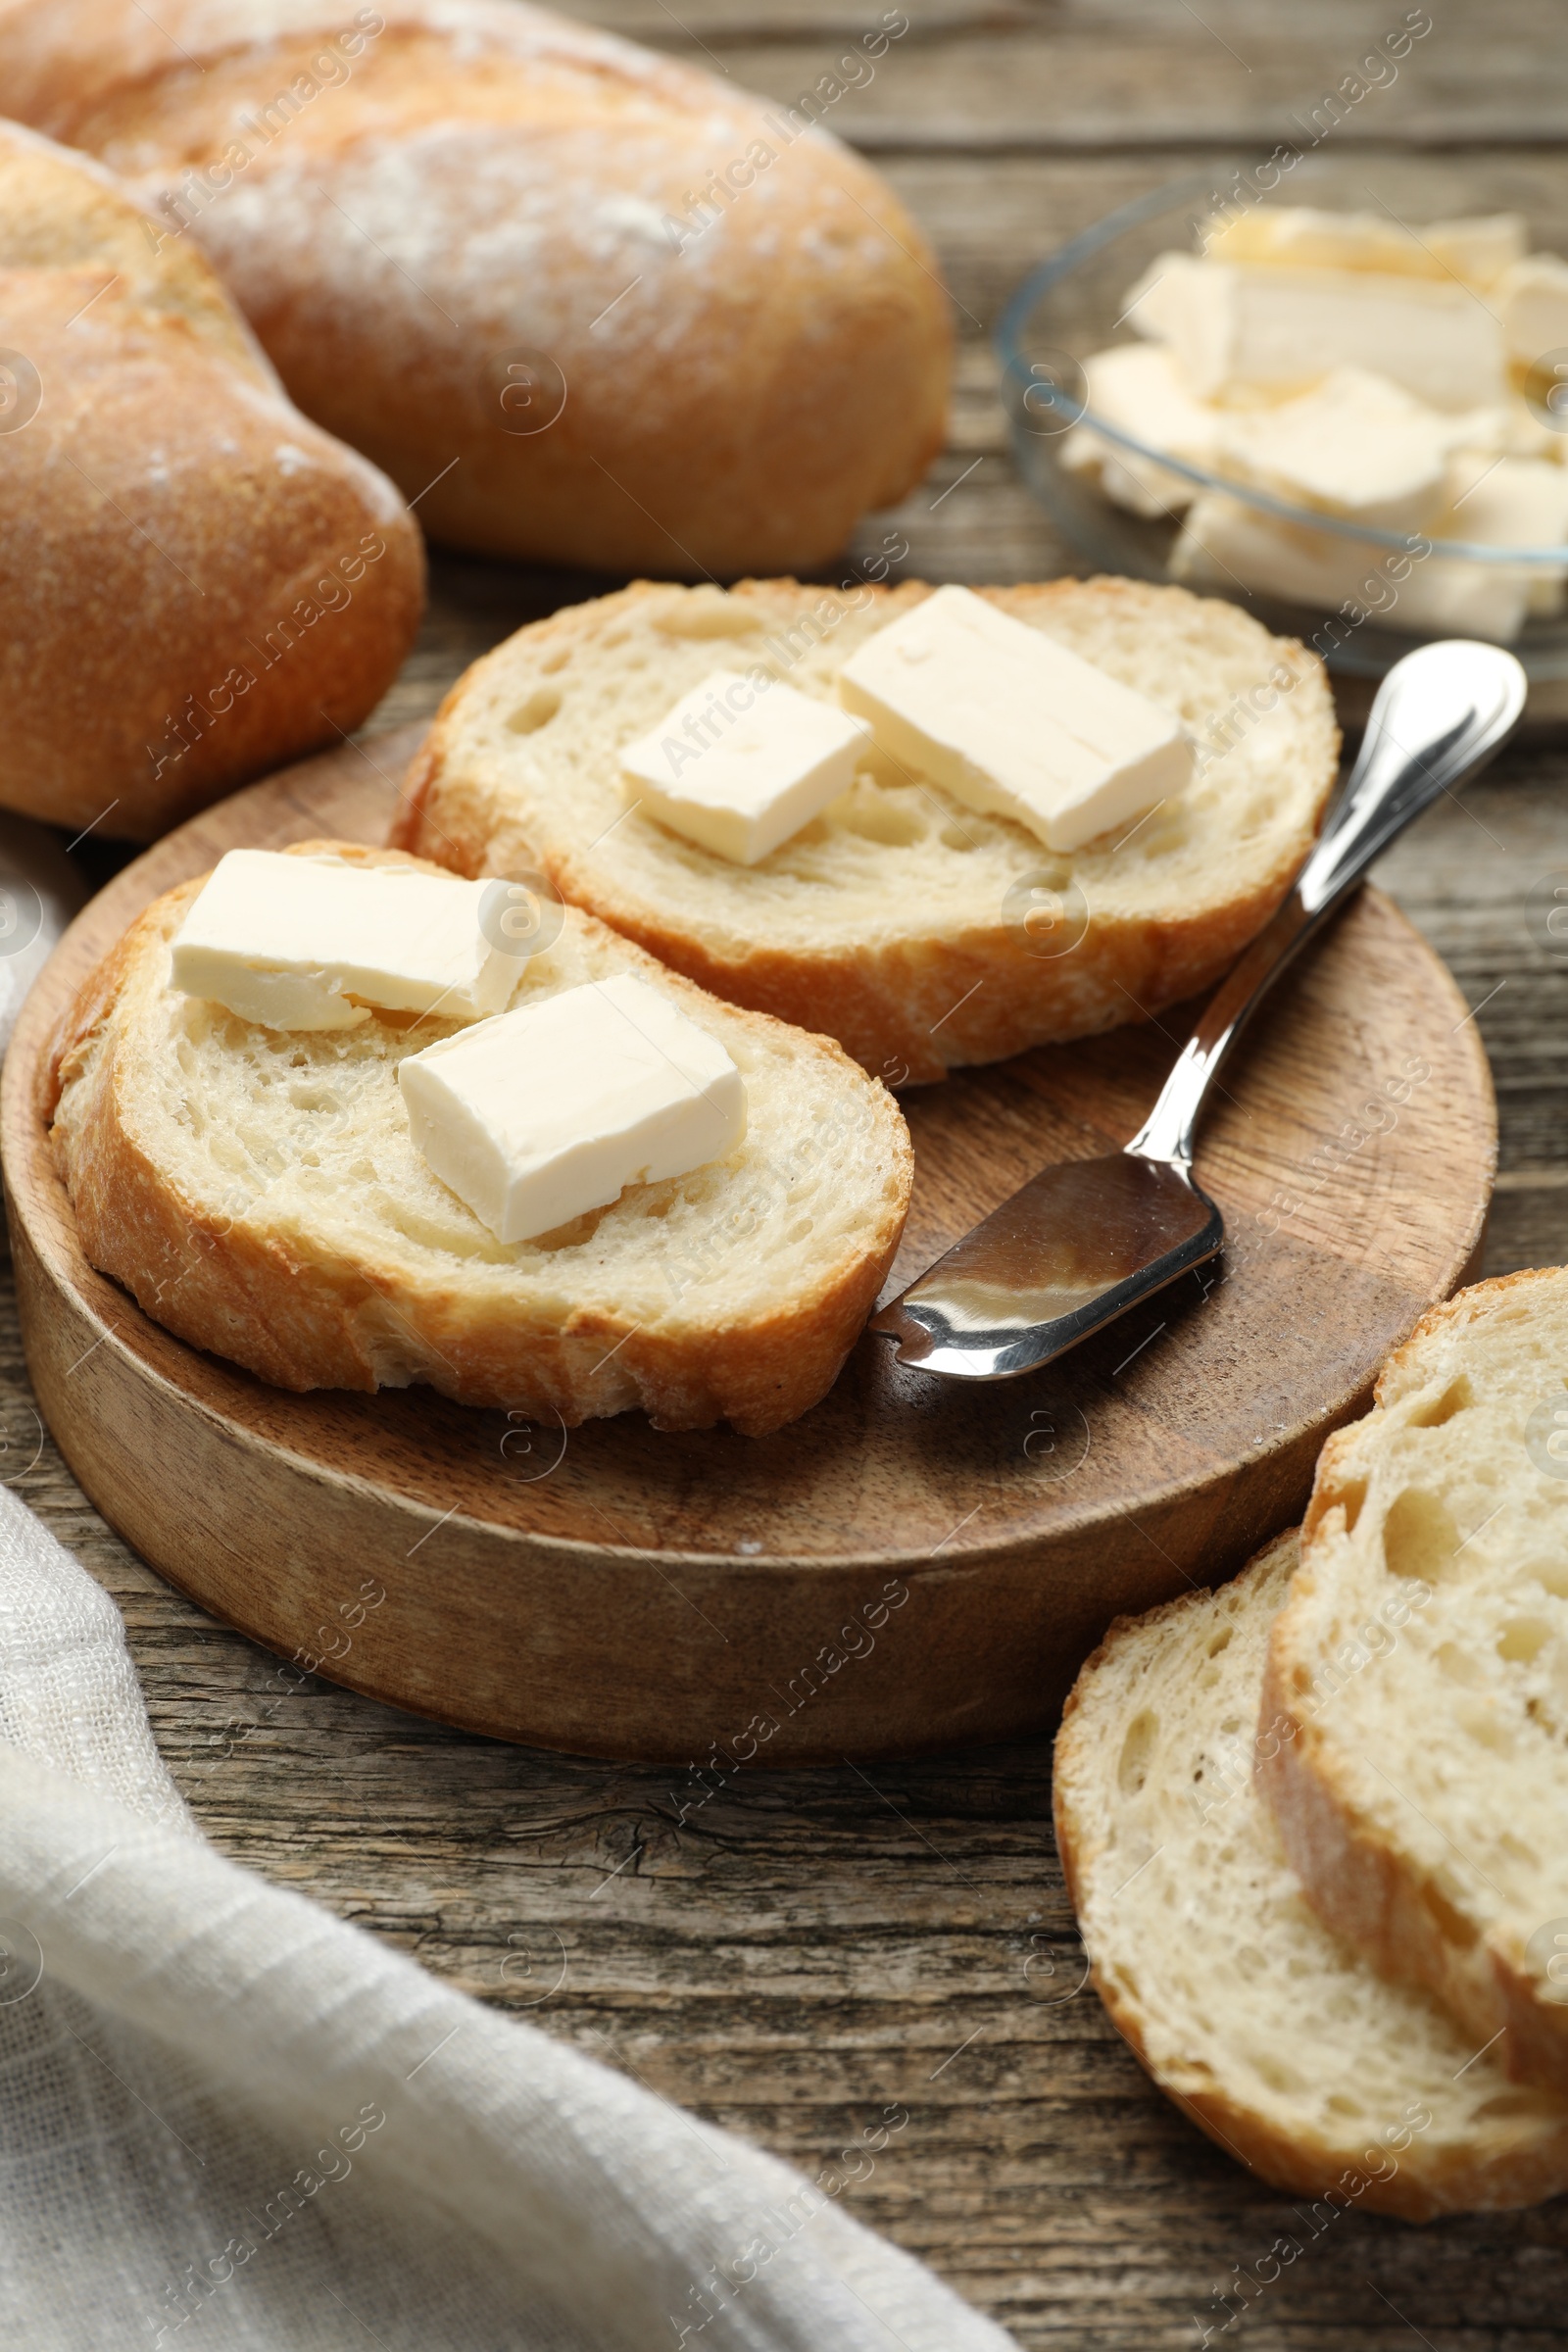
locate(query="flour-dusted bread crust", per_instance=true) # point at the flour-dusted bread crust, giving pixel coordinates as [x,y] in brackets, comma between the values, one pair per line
[918,933]
[1280,2040]
[195,583]
[1420,1768]
[411,198]
[257,1191]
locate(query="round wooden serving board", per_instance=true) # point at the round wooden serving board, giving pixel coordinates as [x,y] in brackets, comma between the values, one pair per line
[912,1565]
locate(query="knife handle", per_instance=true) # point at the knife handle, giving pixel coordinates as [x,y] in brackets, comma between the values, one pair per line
[1440,715]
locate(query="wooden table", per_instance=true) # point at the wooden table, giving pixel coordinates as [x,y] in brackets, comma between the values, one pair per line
[804,1948]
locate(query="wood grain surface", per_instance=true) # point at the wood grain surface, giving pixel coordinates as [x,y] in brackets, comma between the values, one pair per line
[915,1564]
[787,1951]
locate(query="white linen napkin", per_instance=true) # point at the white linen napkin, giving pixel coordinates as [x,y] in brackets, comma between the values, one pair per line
[39,893]
[228,2120]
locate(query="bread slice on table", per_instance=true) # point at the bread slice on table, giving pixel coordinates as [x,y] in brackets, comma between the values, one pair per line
[196,584]
[1281,2041]
[917,932]
[259,1193]
[1421,1771]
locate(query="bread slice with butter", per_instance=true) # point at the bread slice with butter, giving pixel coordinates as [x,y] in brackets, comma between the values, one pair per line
[919,931]
[1282,2042]
[259,1192]
[1422,1786]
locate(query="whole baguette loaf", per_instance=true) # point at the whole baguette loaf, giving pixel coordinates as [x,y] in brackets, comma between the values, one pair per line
[1283,2043]
[1420,1777]
[918,933]
[259,1193]
[583,303]
[195,583]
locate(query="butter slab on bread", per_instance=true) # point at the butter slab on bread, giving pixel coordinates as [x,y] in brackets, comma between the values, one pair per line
[1423,1795]
[259,1193]
[586,304]
[919,933]
[196,584]
[1281,2041]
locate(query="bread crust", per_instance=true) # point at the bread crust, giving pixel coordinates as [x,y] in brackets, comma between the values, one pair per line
[1431,2180]
[920,998]
[195,583]
[1359,1881]
[476,182]
[303,1316]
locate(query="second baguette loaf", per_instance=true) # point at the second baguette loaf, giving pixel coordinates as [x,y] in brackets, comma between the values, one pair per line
[583,303]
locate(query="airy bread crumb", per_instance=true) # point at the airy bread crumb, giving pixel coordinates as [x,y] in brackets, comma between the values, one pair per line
[1422,1793]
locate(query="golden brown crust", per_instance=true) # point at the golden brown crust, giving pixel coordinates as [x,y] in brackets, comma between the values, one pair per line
[911,1009]
[197,583]
[1464,1307]
[302,1317]
[1365,1891]
[1454,2182]
[736,394]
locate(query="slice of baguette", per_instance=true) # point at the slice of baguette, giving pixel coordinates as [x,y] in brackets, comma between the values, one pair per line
[259,1193]
[1420,1773]
[1279,2040]
[918,933]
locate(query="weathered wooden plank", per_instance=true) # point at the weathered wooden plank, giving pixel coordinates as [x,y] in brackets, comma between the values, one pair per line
[1474,878]
[723,24]
[1138,72]
[991,219]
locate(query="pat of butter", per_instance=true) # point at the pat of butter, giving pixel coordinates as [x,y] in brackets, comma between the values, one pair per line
[1534,302]
[1225,544]
[1235,325]
[1013,723]
[1477,249]
[1134,386]
[1358,445]
[554,1108]
[1225,540]
[742,762]
[1514,502]
[312,943]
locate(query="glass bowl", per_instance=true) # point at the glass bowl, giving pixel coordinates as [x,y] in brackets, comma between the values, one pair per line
[1072,305]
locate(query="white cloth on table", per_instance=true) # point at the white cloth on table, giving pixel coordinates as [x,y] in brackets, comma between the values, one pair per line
[39,893]
[228,2120]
